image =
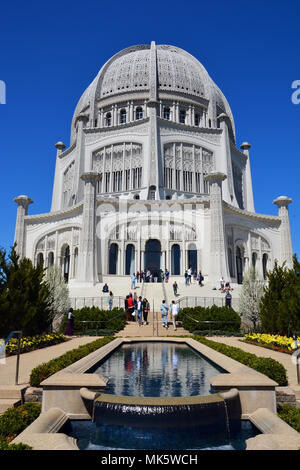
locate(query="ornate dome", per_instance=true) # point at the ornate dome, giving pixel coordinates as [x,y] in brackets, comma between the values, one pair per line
[176,71]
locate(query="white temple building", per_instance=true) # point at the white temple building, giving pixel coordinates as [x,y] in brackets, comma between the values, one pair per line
[153,178]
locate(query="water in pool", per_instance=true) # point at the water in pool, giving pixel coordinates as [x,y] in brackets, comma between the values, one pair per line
[98,436]
[156,369]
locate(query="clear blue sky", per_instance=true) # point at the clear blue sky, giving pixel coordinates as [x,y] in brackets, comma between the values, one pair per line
[51,51]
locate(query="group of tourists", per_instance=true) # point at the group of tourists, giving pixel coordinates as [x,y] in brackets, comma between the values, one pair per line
[137,308]
[191,275]
[148,276]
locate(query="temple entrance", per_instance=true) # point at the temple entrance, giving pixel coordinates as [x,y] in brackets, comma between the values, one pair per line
[175,258]
[153,258]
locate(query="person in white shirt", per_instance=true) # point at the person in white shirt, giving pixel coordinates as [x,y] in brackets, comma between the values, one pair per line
[174,312]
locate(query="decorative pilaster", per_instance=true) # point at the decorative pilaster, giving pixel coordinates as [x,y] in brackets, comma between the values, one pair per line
[229,194]
[23,203]
[248,198]
[218,266]
[87,268]
[286,250]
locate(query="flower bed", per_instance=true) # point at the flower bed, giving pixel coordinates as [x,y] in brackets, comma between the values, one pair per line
[30,343]
[275,342]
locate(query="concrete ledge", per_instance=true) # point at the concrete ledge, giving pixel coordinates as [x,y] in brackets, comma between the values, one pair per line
[160,401]
[270,423]
[74,380]
[273,442]
[43,433]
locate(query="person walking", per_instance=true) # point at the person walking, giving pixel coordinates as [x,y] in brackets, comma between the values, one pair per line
[130,307]
[201,279]
[167,275]
[70,326]
[110,300]
[133,279]
[174,312]
[135,302]
[228,298]
[164,314]
[175,287]
[222,284]
[146,308]
[186,278]
[139,310]
[190,275]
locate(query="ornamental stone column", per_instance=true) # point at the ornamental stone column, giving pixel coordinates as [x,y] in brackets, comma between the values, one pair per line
[249,203]
[218,259]
[286,250]
[87,266]
[23,203]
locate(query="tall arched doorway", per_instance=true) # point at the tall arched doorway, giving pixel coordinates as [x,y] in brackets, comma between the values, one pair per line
[129,263]
[153,257]
[192,256]
[239,265]
[113,258]
[175,260]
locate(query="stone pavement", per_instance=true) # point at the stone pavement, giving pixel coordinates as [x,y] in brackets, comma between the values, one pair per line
[32,359]
[284,359]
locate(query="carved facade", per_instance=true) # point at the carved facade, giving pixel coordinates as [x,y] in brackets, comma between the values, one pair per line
[153,167]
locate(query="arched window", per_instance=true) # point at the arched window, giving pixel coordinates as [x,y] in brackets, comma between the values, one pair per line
[108,119]
[254,258]
[139,113]
[166,113]
[130,255]
[40,259]
[123,115]
[209,123]
[182,115]
[66,262]
[75,261]
[264,265]
[175,260]
[50,259]
[197,119]
[113,258]
[239,265]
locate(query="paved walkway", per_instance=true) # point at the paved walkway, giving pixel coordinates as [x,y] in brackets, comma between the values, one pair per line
[284,359]
[32,359]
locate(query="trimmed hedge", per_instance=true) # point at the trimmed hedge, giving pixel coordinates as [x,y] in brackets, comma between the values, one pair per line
[290,415]
[113,320]
[45,370]
[265,365]
[227,318]
[217,333]
[13,421]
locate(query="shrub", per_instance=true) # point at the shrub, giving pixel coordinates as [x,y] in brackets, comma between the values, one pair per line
[265,365]
[114,320]
[227,318]
[217,333]
[14,420]
[5,445]
[24,296]
[280,304]
[45,370]
[290,415]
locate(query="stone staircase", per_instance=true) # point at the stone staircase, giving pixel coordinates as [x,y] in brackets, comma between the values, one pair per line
[11,396]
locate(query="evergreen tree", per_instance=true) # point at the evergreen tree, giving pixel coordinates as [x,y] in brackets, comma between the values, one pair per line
[280,304]
[296,265]
[250,296]
[24,296]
